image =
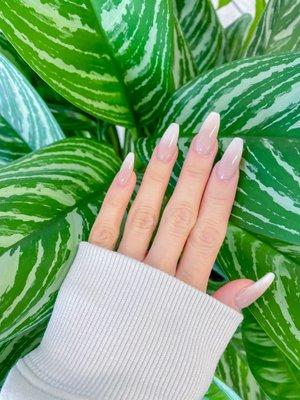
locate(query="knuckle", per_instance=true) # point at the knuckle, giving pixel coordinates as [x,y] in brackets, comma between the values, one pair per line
[180,218]
[156,176]
[103,235]
[196,173]
[207,235]
[143,218]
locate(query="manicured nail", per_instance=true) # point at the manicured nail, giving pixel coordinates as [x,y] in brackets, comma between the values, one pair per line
[126,169]
[250,294]
[229,163]
[168,143]
[205,140]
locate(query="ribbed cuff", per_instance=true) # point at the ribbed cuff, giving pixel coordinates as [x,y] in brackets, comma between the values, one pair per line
[121,329]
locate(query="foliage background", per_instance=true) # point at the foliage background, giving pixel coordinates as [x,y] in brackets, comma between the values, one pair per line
[69,73]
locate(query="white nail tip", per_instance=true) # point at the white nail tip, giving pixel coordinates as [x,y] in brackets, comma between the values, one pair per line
[251,293]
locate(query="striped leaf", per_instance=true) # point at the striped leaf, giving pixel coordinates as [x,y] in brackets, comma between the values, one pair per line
[233,369]
[203,32]
[49,199]
[7,50]
[24,110]
[219,391]
[236,34]
[255,95]
[278,30]
[111,58]
[278,378]
[260,6]
[11,146]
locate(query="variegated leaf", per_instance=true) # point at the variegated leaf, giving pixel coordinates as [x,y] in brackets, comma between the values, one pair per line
[11,146]
[203,32]
[277,377]
[110,58]
[278,30]
[236,34]
[255,95]
[48,201]
[24,110]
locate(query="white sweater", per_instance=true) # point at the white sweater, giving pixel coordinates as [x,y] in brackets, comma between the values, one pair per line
[122,330]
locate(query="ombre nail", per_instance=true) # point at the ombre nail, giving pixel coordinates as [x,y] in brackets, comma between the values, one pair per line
[250,294]
[205,140]
[229,163]
[126,169]
[168,143]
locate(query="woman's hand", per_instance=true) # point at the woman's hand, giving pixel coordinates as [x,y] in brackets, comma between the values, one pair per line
[194,222]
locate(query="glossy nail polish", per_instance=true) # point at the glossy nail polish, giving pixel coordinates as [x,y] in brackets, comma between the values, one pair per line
[126,169]
[205,140]
[251,293]
[168,143]
[229,163]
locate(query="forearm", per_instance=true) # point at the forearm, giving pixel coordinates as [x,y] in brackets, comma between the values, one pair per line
[124,330]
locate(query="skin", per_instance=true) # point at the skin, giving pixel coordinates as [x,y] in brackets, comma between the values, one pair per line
[192,227]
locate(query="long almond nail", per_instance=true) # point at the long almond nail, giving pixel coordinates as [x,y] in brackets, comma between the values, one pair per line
[126,169]
[251,293]
[205,140]
[168,143]
[229,163]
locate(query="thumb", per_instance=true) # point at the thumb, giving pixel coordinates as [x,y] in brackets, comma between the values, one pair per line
[241,293]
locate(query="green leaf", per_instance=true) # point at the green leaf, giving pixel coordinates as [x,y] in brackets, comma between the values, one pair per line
[257,95]
[11,146]
[276,375]
[203,32]
[219,391]
[278,30]
[7,50]
[260,6]
[233,369]
[23,109]
[235,36]
[48,201]
[110,58]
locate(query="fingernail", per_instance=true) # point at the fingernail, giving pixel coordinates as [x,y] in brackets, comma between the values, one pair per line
[126,169]
[229,163]
[205,140]
[251,293]
[168,143]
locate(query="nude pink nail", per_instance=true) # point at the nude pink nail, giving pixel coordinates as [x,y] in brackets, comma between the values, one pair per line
[229,163]
[168,143]
[250,294]
[126,169]
[205,140]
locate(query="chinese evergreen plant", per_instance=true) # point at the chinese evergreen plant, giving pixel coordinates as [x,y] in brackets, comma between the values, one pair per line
[70,72]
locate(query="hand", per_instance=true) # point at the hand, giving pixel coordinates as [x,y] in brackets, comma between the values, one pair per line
[194,222]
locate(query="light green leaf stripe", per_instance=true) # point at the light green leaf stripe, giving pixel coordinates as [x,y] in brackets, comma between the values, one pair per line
[254,95]
[278,30]
[111,58]
[203,32]
[49,199]
[24,110]
[220,391]
[275,374]
[12,146]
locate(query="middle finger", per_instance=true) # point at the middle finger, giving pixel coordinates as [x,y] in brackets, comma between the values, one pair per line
[182,209]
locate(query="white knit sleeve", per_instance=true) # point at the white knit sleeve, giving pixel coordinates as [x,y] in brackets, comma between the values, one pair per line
[122,330]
